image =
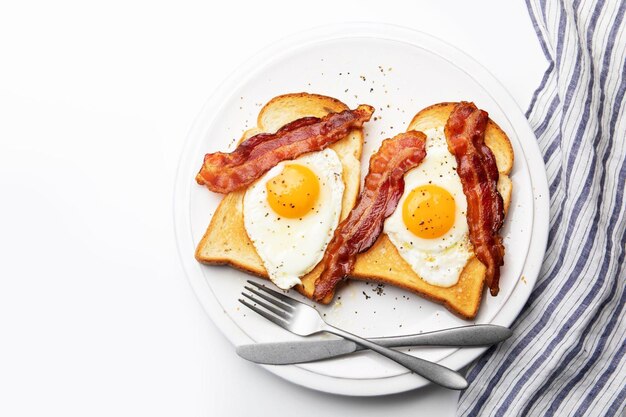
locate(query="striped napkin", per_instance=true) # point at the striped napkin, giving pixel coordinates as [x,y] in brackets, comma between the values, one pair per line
[567,355]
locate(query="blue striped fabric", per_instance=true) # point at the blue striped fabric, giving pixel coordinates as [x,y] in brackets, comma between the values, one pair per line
[567,357]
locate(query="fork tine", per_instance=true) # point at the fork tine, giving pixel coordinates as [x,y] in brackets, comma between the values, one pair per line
[272,300]
[276,294]
[280,322]
[277,311]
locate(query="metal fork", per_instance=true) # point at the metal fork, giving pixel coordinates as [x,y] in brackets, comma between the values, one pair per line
[304,320]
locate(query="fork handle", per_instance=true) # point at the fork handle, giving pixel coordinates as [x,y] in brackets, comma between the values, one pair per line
[436,373]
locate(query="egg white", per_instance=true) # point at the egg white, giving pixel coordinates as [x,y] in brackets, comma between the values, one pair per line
[290,248]
[438,261]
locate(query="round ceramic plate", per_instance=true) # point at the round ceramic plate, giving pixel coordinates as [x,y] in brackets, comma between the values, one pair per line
[399,71]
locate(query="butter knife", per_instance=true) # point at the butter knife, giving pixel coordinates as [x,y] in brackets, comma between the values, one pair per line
[287,353]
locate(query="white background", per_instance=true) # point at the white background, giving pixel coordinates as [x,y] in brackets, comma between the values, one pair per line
[96,316]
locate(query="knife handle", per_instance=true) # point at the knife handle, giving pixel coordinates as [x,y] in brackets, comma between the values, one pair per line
[475,335]
[432,371]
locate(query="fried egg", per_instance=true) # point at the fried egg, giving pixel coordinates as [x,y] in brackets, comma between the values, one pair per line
[429,226]
[291,212]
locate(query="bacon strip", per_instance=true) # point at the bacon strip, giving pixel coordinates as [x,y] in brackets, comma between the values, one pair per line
[476,166]
[226,172]
[384,185]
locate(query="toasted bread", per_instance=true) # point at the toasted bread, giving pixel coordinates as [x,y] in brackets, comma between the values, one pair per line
[226,240]
[383,263]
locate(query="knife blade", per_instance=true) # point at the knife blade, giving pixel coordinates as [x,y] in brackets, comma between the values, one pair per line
[287,353]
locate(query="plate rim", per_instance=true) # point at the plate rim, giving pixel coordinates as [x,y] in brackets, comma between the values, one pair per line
[532,155]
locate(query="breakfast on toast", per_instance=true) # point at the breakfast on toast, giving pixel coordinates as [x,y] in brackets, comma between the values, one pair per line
[443,241]
[285,191]
[427,220]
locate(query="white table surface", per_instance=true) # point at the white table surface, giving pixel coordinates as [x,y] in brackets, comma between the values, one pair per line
[96,316]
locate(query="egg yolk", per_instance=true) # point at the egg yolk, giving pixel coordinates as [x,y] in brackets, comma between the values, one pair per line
[293,192]
[428,211]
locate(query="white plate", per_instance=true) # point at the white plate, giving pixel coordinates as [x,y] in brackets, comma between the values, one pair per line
[399,71]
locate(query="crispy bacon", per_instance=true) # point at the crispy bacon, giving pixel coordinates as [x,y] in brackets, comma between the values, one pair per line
[384,185]
[476,166]
[226,172]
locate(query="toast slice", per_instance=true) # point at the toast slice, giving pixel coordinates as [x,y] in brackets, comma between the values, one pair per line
[226,241]
[382,262]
